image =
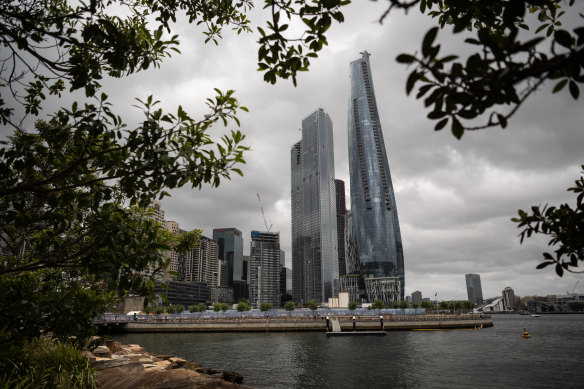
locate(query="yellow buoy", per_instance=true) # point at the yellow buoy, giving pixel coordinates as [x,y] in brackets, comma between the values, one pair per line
[526,334]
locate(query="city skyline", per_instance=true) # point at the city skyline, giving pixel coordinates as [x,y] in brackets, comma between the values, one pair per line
[455,198]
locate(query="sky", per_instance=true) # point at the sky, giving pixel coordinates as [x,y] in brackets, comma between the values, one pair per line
[455,198]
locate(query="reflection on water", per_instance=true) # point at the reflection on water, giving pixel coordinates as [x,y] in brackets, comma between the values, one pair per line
[495,357]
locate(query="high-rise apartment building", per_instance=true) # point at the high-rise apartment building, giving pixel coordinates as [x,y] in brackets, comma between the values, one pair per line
[373,207]
[264,269]
[417,297]
[474,289]
[315,268]
[202,263]
[341,213]
[230,243]
[508,298]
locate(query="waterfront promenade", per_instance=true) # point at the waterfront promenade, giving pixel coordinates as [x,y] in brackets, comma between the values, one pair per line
[184,323]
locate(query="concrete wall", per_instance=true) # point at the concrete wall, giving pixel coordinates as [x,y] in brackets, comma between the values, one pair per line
[261,325]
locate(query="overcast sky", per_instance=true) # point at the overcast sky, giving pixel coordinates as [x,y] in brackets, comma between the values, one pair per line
[455,198]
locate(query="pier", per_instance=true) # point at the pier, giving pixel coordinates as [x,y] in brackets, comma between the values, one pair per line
[164,323]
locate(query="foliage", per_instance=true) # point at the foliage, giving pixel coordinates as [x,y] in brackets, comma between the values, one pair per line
[378,304]
[403,304]
[265,306]
[415,305]
[427,305]
[313,305]
[468,305]
[243,306]
[217,307]
[159,310]
[352,305]
[444,305]
[200,307]
[44,363]
[178,308]
[564,226]
[290,306]
[69,244]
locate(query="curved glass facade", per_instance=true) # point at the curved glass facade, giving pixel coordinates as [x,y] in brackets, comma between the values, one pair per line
[375,221]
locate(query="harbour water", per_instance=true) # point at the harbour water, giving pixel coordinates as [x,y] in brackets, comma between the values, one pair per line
[496,357]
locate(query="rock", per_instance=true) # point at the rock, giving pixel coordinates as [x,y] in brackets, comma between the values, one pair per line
[177,362]
[159,379]
[135,348]
[233,377]
[113,346]
[165,365]
[164,357]
[145,360]
[103,352]
[134,357]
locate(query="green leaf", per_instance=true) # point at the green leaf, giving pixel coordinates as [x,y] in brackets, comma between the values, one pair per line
[560,85]
[574,90]
[457,128]
[411,81]
[405,58]
[428,40]
[441,124]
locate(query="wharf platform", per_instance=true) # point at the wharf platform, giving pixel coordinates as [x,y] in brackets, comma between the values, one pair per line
[159,323]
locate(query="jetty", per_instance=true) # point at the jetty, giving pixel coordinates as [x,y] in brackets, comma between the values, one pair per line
[177,323]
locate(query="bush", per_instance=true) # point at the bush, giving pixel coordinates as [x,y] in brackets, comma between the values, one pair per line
[44,363]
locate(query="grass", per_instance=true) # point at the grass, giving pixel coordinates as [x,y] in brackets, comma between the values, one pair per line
[44,363]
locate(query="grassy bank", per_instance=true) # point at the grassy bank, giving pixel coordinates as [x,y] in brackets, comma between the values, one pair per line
[44,363]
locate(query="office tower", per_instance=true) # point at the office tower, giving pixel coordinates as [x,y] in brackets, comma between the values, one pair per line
[417,297]
[473,288]
[375,219]
[282,272]
[231,250]
[264,269]
[202,263]
[341,212]
[176,263]
[508,298]
[315,268]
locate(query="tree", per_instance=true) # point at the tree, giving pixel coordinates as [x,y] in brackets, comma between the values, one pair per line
[69,243]
[201,307]
[427,305]
[444,305]
[217,307]
[265,306]
[224,307]
[243,306]
[378,304]
[565,228]
[290,306]
[415,305]
[313,306]
[403,304]
[352,305]
[515,47]
[468,305]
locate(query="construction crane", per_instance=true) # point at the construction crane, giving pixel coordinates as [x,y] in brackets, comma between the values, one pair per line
[263,214]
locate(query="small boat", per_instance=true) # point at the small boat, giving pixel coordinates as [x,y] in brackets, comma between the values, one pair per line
[535,315]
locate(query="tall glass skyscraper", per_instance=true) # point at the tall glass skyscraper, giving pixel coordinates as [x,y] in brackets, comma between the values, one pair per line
[374,212]
[474,289]
[315,268]
[230,250]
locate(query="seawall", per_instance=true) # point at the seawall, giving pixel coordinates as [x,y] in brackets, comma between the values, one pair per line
[300,325]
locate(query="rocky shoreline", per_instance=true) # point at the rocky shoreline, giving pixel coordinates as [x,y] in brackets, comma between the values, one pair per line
[121,366]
